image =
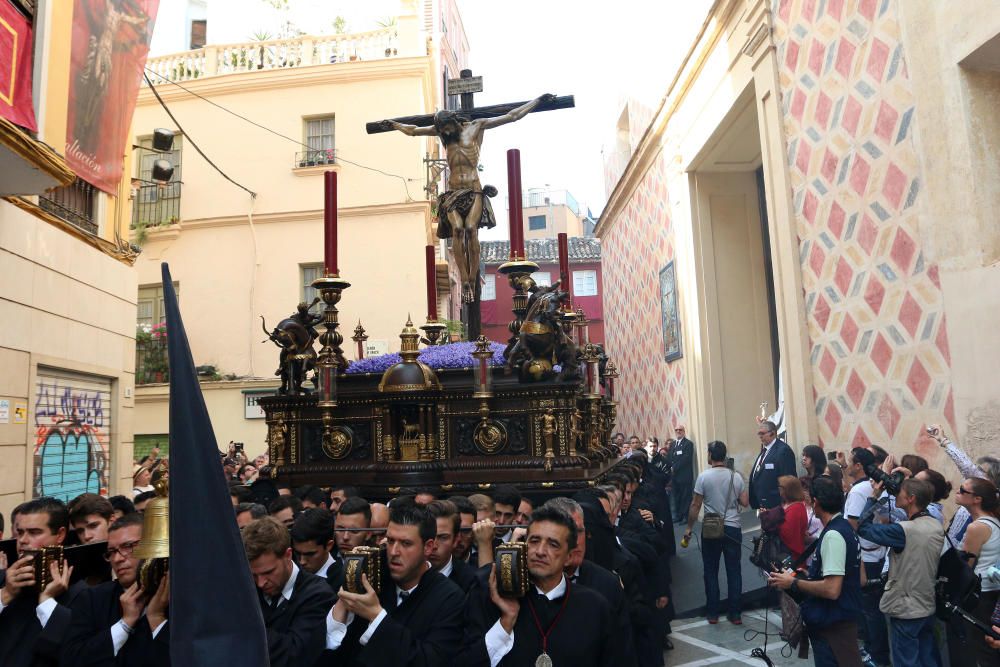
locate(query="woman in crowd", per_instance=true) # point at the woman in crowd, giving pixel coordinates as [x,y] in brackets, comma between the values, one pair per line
[942,489]
[793,530]
[813,524]
[982,547]
[813,460]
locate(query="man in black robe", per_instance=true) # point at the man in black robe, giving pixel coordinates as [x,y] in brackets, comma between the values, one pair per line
[33,624]
[414,621]
[442,557]
[313,544]
[569,623]
[116,624]
[590,574]
[293,601]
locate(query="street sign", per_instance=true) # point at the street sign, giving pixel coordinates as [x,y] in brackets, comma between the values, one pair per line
[473,84]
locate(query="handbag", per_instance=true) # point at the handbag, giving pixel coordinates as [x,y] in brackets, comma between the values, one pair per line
[713,524]
[957,583]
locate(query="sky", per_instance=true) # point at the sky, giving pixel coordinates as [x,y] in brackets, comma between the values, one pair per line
[601,52]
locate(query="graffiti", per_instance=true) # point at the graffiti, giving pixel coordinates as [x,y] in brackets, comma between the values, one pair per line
[72,448]
[86,407]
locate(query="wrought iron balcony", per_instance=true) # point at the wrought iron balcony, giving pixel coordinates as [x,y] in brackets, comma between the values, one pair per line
[74,203]
[156,204]
[314,158]
[151,361]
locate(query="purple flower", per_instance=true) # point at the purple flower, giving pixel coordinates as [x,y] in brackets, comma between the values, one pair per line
[453,355]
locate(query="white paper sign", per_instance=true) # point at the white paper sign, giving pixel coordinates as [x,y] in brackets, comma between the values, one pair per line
[4,411]
[374,348]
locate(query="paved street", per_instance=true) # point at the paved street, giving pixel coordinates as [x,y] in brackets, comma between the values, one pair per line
[698,643]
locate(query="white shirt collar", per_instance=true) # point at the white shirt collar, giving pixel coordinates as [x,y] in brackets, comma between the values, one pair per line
[448,567]
[321,572]
[286,592]
[557,592]
[507,537]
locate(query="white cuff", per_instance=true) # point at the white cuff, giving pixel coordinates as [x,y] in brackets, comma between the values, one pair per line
[336,631]
[498,643]
[156,631]
[119,635]
[44,611]
[372,627]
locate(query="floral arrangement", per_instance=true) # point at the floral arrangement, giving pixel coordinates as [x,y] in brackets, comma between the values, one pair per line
[453,355]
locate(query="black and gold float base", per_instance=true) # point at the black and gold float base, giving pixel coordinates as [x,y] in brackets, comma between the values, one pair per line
[544,437]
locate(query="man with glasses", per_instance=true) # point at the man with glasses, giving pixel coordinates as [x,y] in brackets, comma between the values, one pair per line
[33,624]
[682,474]
[118,623]
[352,524]
[775,460]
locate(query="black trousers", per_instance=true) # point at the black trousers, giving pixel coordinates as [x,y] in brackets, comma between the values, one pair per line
[681,498]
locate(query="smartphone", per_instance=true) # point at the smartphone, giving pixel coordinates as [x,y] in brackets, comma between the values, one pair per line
[731,463]
[831,456]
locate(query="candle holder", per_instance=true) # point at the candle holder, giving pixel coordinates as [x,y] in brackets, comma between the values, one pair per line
[568,317]
[582,332]
[592,358]
[610,375]
[435,333]
[518,272]
[331,358]
[359,338]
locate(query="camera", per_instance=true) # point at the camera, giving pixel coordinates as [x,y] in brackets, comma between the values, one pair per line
[892,482]
[878,583]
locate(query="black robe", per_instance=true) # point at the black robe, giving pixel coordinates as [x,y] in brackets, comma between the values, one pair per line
[610,587]
[23,640]
[463,574]
[581,636]
[89,642]
[424,631]
[296,628]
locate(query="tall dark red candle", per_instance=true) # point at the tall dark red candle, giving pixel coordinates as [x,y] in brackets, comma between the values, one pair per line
[564,262]
[514,196]
[432,300]
[330,223]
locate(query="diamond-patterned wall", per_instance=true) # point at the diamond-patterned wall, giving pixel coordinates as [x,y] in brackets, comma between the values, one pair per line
[879,345]
[651,392]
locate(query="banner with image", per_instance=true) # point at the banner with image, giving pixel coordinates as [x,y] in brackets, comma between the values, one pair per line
[15,67]
[109,49]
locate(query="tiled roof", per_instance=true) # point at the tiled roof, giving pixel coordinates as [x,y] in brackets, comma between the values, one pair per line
[543,250]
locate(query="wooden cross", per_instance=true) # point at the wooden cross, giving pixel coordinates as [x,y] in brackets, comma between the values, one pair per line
[466,86]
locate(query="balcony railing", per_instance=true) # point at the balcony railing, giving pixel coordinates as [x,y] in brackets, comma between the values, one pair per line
[155,205]
[313,158]
[151,361]
[303,51]
[74,203]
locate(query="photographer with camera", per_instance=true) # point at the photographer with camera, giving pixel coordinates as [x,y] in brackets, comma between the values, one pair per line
[915,547]
[861,465]
[832,588]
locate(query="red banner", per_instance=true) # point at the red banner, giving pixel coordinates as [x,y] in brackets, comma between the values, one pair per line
[15,67]
[110,44]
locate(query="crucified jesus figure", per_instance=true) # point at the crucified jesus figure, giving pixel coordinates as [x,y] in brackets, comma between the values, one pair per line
[465,207]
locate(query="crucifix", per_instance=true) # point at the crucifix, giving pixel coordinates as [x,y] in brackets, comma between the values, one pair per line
[465,206]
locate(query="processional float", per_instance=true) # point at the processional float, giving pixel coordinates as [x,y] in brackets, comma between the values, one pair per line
[536,410]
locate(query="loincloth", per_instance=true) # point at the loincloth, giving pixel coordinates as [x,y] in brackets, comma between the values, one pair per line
[461,202]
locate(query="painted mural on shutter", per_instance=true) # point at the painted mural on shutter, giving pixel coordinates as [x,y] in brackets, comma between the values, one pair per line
[72,420]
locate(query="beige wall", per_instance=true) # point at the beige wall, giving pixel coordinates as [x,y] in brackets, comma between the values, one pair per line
[559,219]
[225,403]
[235,260]
[68,306]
